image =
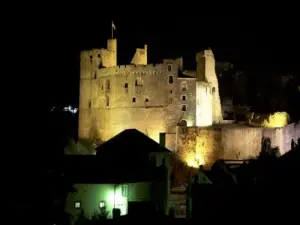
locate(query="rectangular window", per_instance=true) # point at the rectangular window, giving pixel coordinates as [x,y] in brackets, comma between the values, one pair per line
[183,98]
[183,86]
[77,205]
[107,101]
[183,107]
[169,68]
[139,81]
[102,204]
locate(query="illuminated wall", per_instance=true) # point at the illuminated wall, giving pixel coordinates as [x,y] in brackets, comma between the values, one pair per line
[203,104]
[91,195]
[141,97]
[196,145]
[275,120]
[206,73]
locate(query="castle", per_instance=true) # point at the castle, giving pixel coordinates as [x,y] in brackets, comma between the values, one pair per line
[162,99]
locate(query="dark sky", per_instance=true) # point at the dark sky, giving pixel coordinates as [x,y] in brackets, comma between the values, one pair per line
[257,44]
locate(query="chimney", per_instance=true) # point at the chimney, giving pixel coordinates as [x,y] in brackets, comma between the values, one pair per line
[162,139]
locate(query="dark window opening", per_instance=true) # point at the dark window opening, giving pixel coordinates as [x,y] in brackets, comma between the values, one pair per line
[95,75]
[126,85]
[183,107]
[169,68]
[133,99]
[146,100]
[107,84]
[171,91]
[184,98]
[170,79]
[107,100]
[90,104]
[98,55]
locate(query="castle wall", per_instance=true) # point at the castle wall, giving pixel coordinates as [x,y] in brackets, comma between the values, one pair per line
[196,145]
[117,98]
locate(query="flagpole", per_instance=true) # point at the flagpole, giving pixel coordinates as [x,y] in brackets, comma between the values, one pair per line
[112,30]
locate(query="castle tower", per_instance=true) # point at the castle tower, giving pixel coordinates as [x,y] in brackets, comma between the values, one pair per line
[112,48]
[140,57]
[206,73]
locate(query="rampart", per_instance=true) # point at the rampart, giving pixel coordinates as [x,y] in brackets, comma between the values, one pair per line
[204,146]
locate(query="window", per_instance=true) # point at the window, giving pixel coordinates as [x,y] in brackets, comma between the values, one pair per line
[171,91]
[124,190]
[107,101]
[77,205]
[146,100]
[102,204]
[138,82]
[126,85]
[183,107]
[99,56]
[170,79]
[90,104]
[183,98]
[183,86]
[169,68]
[95,75]
[133,99]
[107,84]
[213,90]
[91,58]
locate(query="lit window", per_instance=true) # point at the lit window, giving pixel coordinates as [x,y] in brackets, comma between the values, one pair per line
[77,205]
[102,204]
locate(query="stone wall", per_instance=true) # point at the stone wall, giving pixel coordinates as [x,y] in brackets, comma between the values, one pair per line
[196,145]
[142,97]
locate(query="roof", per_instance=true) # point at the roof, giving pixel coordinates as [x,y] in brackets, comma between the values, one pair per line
[130,141]
[184,75]
[92,169]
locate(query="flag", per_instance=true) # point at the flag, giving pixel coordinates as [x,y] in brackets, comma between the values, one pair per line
[113,25]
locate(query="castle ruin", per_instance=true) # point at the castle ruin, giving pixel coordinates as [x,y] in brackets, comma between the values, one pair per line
[163,98]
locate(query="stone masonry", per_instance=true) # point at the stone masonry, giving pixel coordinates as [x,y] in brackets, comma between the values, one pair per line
[150,98]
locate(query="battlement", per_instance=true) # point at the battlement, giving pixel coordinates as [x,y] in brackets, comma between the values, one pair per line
[136,69]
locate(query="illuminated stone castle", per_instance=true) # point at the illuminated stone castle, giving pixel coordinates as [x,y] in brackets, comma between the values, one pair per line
[183,106]
[150,98]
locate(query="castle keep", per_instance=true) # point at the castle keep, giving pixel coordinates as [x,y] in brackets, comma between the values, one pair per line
[150,98]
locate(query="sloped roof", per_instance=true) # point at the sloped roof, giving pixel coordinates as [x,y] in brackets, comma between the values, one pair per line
[130,141]
[93,169]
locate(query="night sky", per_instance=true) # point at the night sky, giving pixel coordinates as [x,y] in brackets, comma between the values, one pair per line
[256,44]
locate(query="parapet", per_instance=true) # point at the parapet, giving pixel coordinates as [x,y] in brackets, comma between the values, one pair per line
[133,69]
